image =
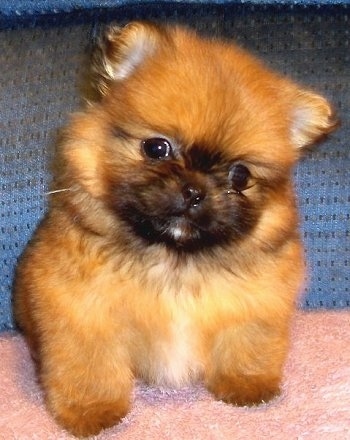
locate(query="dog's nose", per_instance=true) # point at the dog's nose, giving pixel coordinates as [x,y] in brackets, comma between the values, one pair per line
[192,194]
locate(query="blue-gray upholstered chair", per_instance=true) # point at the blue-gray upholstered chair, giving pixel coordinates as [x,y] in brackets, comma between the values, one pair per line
[42,49]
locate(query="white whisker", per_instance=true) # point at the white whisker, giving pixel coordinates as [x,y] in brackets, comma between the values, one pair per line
[57,191]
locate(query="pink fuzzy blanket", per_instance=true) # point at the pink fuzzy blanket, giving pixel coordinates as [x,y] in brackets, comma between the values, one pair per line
[315,403]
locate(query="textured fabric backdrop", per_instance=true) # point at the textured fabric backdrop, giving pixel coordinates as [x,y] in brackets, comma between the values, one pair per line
[34,7]
[38,88]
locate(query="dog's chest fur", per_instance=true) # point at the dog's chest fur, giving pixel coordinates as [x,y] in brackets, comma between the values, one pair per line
[176,360]
[170,342]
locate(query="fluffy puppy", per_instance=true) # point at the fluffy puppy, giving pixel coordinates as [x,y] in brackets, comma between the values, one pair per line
[170,250]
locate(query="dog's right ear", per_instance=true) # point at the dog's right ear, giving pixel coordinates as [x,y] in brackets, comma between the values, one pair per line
[120,50]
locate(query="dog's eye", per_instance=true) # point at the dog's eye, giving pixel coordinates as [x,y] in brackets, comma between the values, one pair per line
[239,176]
[156,148]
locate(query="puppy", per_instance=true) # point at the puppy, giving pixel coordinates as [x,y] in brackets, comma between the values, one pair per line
[170,250]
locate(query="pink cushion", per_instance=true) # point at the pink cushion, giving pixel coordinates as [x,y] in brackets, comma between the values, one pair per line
[315,403]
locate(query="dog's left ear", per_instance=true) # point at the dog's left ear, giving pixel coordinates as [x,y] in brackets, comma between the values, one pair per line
[120,50]
[312,117]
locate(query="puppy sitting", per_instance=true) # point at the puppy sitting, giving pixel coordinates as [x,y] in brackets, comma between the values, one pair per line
[170,251]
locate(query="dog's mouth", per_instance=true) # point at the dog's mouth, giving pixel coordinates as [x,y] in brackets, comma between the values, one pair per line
[183,233]
[178,232]
[183,230]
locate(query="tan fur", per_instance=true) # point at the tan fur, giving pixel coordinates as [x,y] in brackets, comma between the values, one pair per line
[98,306]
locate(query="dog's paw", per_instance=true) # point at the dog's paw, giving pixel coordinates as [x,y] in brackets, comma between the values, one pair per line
[90,419]
[245,390]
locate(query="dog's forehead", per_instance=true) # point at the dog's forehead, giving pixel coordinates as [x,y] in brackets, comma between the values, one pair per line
[188,101]
[202,156]
[203,84]
[216,100]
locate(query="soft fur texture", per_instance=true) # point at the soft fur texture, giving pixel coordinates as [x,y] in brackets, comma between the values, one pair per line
[170,251]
